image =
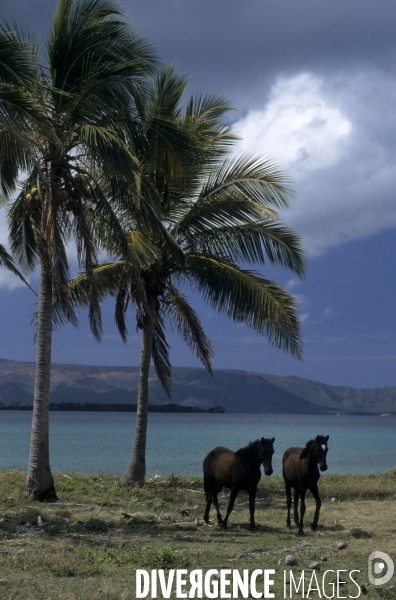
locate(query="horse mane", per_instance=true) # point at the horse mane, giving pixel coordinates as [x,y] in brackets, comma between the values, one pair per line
[305,452]
[248,451]
[320,439]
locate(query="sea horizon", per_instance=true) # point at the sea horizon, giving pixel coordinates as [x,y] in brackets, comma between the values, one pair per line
[101,442]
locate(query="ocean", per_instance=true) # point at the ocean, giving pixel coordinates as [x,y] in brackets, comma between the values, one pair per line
[91,442]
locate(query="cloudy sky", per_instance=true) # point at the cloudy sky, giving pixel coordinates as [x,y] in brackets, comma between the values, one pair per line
[314,87]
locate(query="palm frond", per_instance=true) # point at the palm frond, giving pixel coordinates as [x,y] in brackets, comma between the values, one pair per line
[142,248]
[7,261]
[121,305]
[51,241]
[204,115]
[234,210]
[245,297]
[259,180]
[77,294]
[108,277]
[252,242]
[21,89]
[189,326]
[24,218]
[160,354]
[18,57]
[118,279]
[240,189]
[166,93]
[94,53]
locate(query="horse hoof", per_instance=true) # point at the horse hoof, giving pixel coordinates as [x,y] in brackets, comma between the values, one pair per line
[253,529]
[300,532]
[313,527]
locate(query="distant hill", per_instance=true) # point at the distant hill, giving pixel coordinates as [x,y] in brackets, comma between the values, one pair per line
[236,391]
[344,398]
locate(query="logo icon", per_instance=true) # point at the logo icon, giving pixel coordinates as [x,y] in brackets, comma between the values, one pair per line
[380,568]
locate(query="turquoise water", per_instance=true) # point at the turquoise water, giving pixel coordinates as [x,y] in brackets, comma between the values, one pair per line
[177,443]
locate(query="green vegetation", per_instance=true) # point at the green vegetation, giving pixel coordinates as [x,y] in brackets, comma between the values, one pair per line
[100,533]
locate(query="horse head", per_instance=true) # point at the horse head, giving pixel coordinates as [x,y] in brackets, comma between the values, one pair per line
[266,452]
[321,450]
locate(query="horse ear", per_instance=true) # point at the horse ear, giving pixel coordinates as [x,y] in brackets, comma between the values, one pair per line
[272,441]
[262,440]
[327,438]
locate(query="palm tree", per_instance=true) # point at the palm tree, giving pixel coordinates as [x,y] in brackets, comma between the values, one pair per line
[66,128]
[219,214]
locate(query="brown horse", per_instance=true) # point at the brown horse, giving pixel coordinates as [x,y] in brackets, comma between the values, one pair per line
[300,472]
[238,471]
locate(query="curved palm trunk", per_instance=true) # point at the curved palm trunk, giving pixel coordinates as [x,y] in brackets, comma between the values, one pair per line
[39,480]
[136,470]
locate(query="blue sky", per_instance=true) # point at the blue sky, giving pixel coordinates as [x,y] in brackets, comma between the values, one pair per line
[314,85]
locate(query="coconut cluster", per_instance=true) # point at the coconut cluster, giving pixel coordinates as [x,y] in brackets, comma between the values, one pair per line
[68,192]
[33,194]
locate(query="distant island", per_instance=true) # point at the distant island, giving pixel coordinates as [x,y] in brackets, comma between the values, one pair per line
[99,388]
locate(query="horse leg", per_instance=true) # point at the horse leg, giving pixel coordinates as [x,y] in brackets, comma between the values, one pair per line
[233,495]
[252,507]
[289,503]
[209,498]
[315,493]
[302,512]
[296,496]
[207,509]
[216,505]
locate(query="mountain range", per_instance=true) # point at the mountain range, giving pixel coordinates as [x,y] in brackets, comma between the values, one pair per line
[236,391]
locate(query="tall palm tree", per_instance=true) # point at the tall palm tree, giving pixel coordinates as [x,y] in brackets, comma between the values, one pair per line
[220,214]
[65,127]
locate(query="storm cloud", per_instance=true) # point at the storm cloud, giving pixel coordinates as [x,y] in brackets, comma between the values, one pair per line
[313,83]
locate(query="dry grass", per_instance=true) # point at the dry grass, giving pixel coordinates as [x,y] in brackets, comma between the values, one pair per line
[95,538]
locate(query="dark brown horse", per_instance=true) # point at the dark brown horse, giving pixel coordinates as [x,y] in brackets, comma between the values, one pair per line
[300,472]
[238,471]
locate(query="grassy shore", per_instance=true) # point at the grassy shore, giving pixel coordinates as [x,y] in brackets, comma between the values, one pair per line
[93,540]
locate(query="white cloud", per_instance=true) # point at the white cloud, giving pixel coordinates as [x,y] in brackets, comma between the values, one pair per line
[292,283]
[297,126]
[304,303]
[336,137]
[326,314]
[9,281]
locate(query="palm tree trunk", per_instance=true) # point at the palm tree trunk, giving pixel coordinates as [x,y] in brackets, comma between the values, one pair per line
[39,480]
[136,470]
